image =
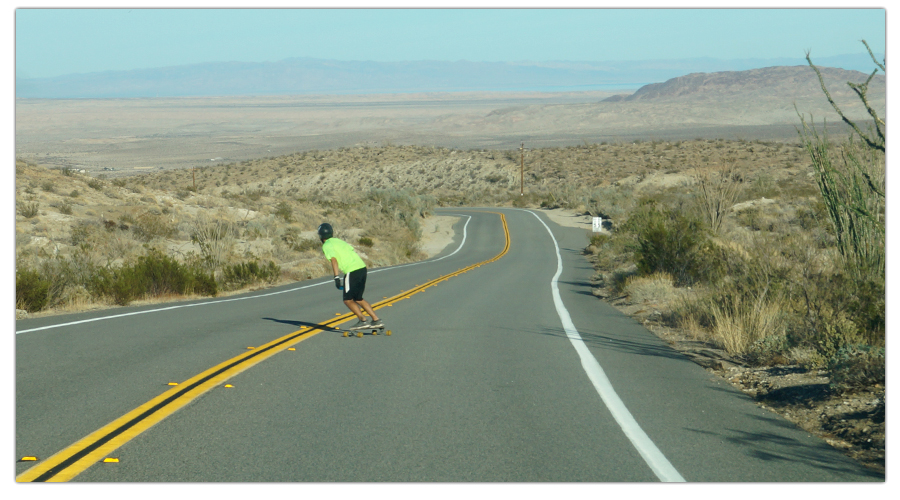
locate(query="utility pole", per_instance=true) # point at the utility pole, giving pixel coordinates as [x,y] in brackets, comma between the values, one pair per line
[522,173]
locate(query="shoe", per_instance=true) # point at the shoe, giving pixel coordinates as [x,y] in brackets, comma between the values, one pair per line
[360,325]
[376,323]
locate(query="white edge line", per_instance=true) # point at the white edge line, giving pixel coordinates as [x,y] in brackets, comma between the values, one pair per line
[222,301]
[654,458]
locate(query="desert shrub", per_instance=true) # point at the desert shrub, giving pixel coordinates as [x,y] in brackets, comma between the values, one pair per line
[32,290]
[284,210]
[673,242]
[81,233]
[740,322]
[245,273]
[65,273]
[149,227]
[763,186]
[769,350]
[856,367]
[657,288]
[255,194]
[835,311]
[851,180]
[153,274]
[366,242]
[717,191]
[598,240]
[28,209]
[95,184]
[215,238]
[402,205]
[809,217]
[297,243]
[65,208]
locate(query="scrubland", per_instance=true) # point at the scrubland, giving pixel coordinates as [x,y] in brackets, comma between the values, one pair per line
[728,242]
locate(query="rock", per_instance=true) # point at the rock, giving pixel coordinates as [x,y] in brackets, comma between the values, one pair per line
[21,314]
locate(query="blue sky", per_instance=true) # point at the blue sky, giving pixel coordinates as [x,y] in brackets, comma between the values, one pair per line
[53,42]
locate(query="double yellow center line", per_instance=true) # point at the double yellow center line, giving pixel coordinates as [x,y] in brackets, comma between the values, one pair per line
[73,460]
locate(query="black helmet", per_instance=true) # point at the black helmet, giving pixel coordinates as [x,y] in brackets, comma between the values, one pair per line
[325,231]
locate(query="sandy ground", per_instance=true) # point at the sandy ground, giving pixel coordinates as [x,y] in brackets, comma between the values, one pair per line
[568,218]
[437,233]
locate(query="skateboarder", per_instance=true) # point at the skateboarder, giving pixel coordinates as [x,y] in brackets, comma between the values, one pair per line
[344,258]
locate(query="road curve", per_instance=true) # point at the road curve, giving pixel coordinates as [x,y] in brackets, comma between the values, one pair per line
[501,367]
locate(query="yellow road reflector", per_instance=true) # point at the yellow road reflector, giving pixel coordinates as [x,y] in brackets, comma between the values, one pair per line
[229,386]
[292,348]
[111,460]
[251,348]
[28,459]
[173,383]
[337,314]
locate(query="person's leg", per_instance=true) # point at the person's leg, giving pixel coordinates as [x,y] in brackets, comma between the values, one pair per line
[351,304]
[368,308]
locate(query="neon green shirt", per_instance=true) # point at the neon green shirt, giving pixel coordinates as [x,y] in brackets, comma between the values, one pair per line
[347,258]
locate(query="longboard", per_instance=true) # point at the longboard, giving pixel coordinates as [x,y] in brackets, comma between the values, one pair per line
[359,331]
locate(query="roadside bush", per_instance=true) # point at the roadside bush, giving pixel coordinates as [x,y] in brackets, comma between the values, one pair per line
[215,238]
[669,241]
[245,273]
[856,367]
[741,323]
[154,274]
[32,290]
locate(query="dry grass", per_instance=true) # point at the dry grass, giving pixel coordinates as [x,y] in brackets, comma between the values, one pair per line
[741,322]
[657,289]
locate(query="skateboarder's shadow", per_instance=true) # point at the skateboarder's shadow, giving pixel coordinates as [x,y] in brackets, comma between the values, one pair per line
[316,326]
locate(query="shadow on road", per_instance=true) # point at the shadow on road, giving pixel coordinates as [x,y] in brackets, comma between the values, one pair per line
[772,447]
[642,347]
[299,324]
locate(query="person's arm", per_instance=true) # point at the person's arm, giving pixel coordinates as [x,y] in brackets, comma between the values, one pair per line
[338,282]
[335,270]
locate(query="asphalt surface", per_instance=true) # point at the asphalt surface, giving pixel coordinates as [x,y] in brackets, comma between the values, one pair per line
[480,382]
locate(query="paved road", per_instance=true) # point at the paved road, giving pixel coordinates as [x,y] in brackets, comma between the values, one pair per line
[505,371]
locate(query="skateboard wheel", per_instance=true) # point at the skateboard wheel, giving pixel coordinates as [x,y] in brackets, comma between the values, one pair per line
[374,332]
[359,334]
[346,334]
[388,332]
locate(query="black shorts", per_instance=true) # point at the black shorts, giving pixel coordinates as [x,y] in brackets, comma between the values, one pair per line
[355,284]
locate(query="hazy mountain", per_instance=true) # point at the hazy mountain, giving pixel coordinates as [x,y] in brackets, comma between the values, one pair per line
[317,76]
[775,82]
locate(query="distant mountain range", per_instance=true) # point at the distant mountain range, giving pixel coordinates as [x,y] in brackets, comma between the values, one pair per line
[792,82]
[316,76]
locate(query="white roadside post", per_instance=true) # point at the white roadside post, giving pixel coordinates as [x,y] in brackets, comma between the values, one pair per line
[598,224]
